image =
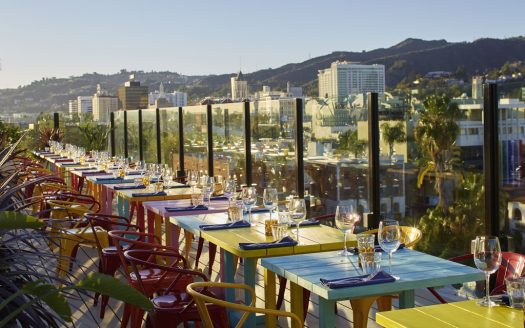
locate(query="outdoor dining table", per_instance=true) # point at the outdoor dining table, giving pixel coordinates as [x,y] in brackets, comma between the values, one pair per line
[156,215]
[313,239]
[414,269]
[458,314]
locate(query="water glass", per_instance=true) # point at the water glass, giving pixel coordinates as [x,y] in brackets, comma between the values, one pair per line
[516,290]
[370,262]
[487,257]
[345,219]
[365,243]
[298,214]
[249,198]
[279,230]
[235,213]
[389,237]
[196,199]
[270,199]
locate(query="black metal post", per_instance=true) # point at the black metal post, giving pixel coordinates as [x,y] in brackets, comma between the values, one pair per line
[374,215]
[210,139]
[157,125]
[141,146]
[299,147]
[56,121]
[247,144]
[126,134]
[181,144]
[112,133]
[494,223]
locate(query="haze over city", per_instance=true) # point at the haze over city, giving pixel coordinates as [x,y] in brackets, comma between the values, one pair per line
[61,38]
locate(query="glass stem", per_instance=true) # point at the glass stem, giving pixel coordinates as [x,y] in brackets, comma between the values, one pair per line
[487,288]
[297,232]
[344,245]
[250,214]
[390,262]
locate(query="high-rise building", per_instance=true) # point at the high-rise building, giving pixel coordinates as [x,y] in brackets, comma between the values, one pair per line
[103,105]
[132,95]
[346,78]
[85,105]
[175,99]
[239,87]
[73,107]
[477,87]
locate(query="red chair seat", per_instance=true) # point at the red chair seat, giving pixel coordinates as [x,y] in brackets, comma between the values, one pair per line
[172,301]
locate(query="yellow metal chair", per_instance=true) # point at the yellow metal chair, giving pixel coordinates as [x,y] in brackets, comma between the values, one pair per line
[201,300]
[410,236]
[68,226]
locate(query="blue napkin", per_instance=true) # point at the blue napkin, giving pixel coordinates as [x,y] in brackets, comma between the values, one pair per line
[129,187]
[377,248]
[286,241]
[186,208]
[179,186]
[134,173]
[306,223]
[233,225]
[109,179]
[260,210]
[219,198]
[70,164]
[85,169]
[380,278]
[148,194]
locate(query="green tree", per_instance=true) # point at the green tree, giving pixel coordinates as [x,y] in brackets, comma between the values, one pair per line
[393,134]
[435,133]
[349,141]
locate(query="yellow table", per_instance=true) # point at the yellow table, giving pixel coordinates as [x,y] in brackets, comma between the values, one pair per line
[459,314]
[313,239]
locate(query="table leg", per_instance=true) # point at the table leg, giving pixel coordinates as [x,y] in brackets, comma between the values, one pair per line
[140,217]
[269,297]
[296,297]
[188,238]
[228,274]
[120,206]
[361,306]
[407,299]
[326,313]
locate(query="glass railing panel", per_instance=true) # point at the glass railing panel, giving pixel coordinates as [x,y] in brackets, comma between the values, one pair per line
[273,145]
[169,137]
[512,162]
[228,141]
[195,138]
[119,133]
[133,134]
[149,135]
[335,155]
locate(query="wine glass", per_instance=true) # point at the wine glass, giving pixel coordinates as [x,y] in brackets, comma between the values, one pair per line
[270,199]
[229,187]
[487,257]
[345,219]
[389,237]
[167,176]
[208,188]
[249,198]
[298,213]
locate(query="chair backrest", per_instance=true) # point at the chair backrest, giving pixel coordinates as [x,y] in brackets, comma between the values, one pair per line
[108,222]
[130,240]
[201,295]
[171,265]
[66,210]
[410,236]
[512,265]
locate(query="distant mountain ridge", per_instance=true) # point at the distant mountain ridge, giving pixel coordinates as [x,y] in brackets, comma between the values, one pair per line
[405,60]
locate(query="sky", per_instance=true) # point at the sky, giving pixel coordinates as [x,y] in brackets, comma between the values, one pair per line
[62,38]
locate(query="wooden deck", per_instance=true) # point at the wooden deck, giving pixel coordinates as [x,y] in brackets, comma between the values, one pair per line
[87,315]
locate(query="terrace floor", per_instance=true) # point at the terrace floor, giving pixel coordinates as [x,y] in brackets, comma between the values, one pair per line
[87,315]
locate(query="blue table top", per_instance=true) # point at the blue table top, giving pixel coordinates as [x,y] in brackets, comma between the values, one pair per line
[415,269]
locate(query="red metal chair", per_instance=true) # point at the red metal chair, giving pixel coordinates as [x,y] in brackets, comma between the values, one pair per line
[512,264]
[172,305]
[151,279]
[109,261]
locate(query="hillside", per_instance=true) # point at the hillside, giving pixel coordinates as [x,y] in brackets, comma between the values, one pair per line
[406,59]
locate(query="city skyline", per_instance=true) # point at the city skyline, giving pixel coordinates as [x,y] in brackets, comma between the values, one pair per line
[62,39]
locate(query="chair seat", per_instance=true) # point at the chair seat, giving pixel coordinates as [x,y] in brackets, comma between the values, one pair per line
[172,301]
[110,251]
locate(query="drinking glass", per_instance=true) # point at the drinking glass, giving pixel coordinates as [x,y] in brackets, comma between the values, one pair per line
[167,176]
[487,257]
[229,187]
[193,178]
[389,237]
[345,219]
[298,214]
[270,199]
[208,188]
[249,198]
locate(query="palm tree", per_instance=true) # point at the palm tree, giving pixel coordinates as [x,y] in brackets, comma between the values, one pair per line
[435,133]
[393,134]
[350,142]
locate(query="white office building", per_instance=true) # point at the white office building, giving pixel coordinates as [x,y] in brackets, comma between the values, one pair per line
[73,107]
[346,78]
[103,105]
[85,105]
[239,87]
[175,99]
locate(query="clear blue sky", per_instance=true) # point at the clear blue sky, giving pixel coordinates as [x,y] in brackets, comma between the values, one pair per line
[60,38]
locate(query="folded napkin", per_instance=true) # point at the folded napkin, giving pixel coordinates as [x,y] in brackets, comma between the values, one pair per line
[148,194]
[129,187]
[63,160]
[71,164]
[178,186]
[306,223]
[110,180]
[99,172]
[186,208]
[286,241]
[377,248]
[134,173]
[233,225]
[219,198]
[85,169]
[380,278]
[260,210]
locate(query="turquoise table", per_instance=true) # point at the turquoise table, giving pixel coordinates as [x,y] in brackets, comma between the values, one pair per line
[415,269]
[318,238]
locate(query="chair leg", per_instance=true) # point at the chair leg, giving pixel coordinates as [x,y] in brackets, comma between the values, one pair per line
[280,294]
[306,302]
[200,245]
[212,249]
[361,307]
[384,303]
[125,316]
